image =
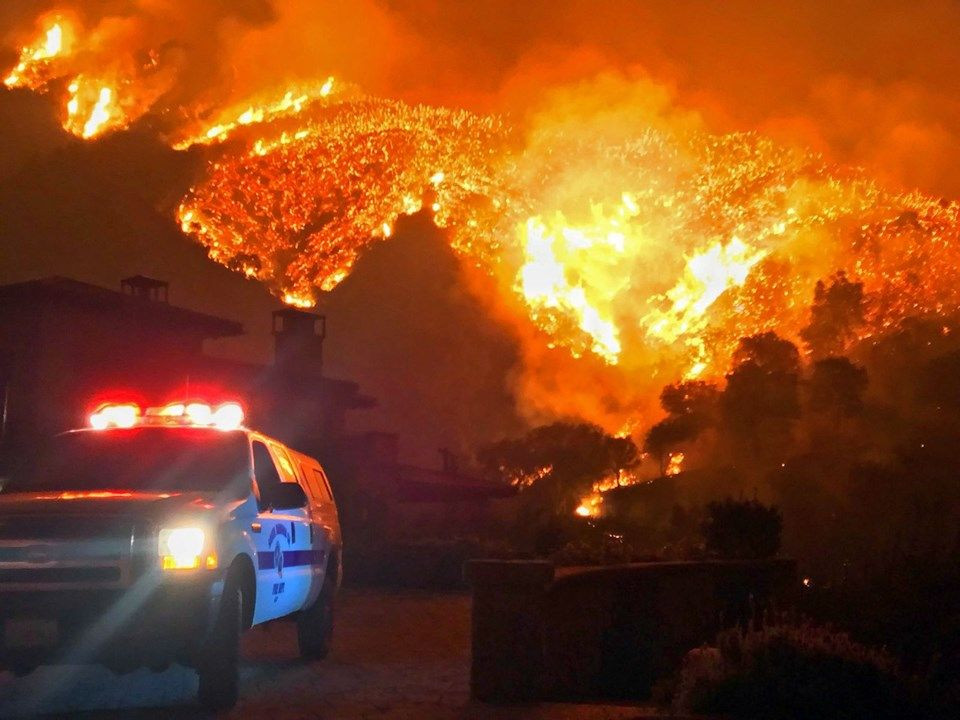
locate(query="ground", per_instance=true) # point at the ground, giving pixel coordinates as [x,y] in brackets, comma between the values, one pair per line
[395,655]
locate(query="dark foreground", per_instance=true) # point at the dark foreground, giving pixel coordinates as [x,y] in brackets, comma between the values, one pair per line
[396,655]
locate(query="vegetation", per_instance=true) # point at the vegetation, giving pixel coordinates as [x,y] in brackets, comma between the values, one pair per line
[785,672]
[835,316]
[691,409]
[742,529]
[555,466]
[850,451]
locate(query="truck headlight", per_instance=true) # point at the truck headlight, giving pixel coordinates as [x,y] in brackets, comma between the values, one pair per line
[184,548]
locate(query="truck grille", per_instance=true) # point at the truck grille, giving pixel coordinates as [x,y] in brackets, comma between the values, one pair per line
[59,552]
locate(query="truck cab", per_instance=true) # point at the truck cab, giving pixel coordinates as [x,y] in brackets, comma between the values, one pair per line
[159,536]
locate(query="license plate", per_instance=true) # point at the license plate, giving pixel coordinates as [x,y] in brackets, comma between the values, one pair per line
[30,632]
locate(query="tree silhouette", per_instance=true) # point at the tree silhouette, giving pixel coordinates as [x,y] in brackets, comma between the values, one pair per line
[836,387]
[559,463]
[835,316]
[693,397]
[692,407]
[939,382]
[667,434]
[762,394]
[742,529]
[769,352]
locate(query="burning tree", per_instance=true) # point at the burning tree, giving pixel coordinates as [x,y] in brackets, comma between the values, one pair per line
[557,465]
[692,408]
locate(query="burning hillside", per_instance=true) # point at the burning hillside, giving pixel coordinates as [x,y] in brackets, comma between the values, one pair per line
[627,246]
[641,258]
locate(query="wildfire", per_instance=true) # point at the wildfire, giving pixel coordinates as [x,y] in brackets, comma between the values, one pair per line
[290,104]
[651,256]
[674,464]
[590,506]
[35,59]
[590,251]
[631,250]
[358,164]
[96,101]
[92,109]
[708,274]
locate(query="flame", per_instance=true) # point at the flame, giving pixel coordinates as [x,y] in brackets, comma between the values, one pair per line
[92,109]
[530,478]
[674,464]
[34,60]
[590,506]
[292,103]
[708,274]
[98,100]
[553,253]
[363,163]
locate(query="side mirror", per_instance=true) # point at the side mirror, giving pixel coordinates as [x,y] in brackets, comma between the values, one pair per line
[287,496]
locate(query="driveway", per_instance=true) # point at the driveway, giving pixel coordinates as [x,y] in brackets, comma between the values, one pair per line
[395,655]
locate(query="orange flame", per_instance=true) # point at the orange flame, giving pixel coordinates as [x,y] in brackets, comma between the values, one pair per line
[674,464]
[35,59]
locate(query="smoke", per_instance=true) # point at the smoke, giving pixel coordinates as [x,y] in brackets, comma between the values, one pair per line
[867,83]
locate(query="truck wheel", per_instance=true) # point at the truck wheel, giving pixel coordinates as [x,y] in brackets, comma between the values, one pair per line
[218,666]
[315,624]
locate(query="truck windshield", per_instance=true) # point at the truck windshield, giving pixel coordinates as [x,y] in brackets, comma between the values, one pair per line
[140,459]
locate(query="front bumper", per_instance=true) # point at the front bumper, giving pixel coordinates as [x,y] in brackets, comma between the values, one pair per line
[153,622]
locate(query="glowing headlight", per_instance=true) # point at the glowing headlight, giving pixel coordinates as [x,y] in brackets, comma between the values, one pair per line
[183,549]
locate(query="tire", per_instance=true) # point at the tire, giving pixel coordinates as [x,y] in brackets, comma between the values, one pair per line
[315,624]
[218,666]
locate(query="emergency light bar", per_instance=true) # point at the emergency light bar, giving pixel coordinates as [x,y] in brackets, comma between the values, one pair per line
[226,416]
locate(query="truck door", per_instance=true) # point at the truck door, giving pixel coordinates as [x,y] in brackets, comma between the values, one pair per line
[283,544]
[324,519]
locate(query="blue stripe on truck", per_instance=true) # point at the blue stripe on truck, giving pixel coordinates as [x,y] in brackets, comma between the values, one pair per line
[291,558]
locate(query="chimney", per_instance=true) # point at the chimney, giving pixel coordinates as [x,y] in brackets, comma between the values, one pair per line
[298,342]
[146,287]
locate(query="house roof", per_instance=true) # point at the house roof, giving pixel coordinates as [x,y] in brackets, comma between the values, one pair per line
[141,309]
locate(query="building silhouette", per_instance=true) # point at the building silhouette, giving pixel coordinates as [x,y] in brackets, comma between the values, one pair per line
[67,346]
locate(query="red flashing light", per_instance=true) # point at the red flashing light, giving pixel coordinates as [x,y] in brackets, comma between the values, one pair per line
[123,415]
[226,416]
[198,413]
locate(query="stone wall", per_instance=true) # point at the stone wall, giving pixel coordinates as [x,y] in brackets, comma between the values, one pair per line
[606,632]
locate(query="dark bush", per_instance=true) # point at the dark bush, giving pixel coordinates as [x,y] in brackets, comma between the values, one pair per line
[742,529]
[603,549]
[793,672]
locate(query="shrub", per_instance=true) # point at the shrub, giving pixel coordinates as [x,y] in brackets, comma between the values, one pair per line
[793,672]
[605,549]
[742,529]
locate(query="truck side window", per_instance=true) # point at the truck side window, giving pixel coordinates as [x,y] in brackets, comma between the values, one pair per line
[265,471]
[283,462]
[320,479]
